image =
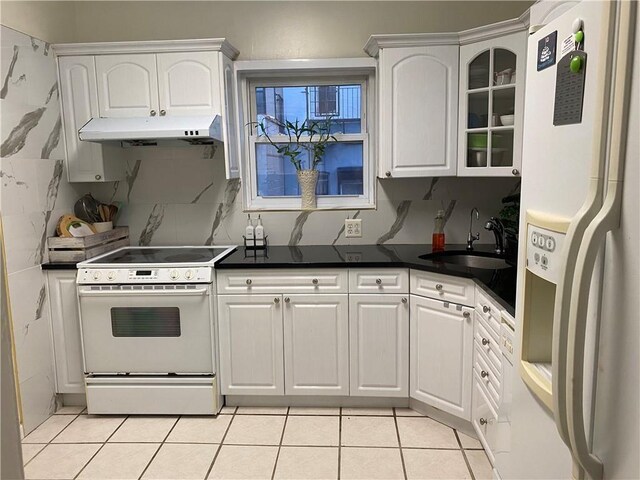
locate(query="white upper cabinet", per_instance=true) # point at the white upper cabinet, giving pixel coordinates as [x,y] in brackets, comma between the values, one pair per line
[79,103]
[189,83]
[418,103]
[127,85]
[230,117]
[491,106]
[316,344]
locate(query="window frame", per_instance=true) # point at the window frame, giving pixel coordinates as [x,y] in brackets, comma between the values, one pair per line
[283,77]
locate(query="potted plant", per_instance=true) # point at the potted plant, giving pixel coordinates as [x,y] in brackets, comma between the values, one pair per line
[309,136]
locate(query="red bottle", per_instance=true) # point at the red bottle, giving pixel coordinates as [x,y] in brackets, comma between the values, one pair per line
[437,239]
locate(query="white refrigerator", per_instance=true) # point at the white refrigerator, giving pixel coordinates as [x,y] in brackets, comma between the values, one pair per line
[575,406]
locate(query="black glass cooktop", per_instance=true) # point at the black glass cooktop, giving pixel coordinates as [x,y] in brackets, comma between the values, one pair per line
[161,256]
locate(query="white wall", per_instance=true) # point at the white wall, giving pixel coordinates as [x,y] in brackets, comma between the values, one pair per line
[52,22]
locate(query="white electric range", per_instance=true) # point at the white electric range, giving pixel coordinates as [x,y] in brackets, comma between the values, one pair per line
[147,317]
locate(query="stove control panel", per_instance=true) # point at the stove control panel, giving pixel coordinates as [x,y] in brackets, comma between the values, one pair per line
[144,275]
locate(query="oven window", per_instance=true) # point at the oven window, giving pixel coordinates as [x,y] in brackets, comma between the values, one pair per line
[145,321]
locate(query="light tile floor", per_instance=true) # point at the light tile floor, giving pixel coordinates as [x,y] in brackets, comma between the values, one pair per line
[253,443]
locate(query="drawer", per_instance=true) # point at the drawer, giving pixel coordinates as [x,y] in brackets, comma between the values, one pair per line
[491,350]
[388,280]
[490,382]
[443,287]
[283,281]
[483,417]
[489,311]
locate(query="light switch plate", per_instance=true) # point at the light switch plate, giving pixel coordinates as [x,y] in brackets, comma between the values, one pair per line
[353,228]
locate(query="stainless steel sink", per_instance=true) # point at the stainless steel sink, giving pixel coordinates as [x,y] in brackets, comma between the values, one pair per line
[468,259]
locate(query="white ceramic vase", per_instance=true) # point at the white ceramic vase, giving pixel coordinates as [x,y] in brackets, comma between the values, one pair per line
[308,180]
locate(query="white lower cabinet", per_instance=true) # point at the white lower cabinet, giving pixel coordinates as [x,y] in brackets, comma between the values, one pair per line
[65,321]
[379,345]
[251,344]
[441,355]
[316,344]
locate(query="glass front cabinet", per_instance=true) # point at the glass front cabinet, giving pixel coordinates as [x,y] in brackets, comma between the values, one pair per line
[492,74]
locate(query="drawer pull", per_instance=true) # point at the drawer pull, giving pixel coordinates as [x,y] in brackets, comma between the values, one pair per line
[439,287]
[248,282]
[404,299]
[287,299]
[483,421]
[379,281]
[484,374]
[486,309]
[485,341]
[314,281]
[276,300]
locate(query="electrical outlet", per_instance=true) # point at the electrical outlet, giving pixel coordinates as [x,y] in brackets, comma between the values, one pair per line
[353,228]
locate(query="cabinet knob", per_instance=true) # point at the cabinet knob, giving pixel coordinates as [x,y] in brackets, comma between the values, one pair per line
[387,174]
[152,113]
[287,299]
[98,177]
[276,300]
[484,374]
[515,172]
[314,281]
[486,308]
[439,287]
[483,421]
[485,341]
[404,299]
[163,113]
[466,314]
[248,282]
[379,281]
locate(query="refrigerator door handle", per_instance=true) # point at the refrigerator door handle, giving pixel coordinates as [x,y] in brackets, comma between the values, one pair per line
[606,220]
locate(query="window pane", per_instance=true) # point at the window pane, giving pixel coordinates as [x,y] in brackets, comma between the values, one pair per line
[145,321]
[340,102]
[339,174]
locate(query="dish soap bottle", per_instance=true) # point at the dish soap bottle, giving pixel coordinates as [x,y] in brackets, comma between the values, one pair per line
[437,239]
[259,233]
[249,232]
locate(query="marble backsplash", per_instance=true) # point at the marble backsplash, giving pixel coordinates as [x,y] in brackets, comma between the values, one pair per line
[34,193]
[179,196]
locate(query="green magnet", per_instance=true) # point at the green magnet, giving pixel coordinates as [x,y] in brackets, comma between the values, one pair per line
[578,36]
[576,64]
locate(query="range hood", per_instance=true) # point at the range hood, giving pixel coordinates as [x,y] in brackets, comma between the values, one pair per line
[153,131]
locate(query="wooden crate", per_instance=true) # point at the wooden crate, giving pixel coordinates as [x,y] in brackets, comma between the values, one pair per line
[77,249]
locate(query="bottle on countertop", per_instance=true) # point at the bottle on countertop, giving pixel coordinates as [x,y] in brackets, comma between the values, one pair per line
[259,233]
[249,232]
[437,239]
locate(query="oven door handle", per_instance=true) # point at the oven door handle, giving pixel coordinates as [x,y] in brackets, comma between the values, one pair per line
[139,293]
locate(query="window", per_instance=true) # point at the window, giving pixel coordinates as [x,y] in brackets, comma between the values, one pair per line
[345,177]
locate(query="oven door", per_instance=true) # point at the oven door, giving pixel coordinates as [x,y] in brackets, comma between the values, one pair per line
[142,329]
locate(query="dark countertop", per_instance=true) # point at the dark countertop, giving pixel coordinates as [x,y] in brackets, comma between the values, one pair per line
[499,284]
[59,266]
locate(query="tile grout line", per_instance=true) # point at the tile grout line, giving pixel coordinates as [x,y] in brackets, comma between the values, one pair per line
[275,465]
[339,441]
[46,444]
[395,421]
[464,455]
[215,457]
[101,446]
[159,446]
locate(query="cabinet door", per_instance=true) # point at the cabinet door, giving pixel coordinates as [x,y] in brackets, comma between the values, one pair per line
[316,344]
[189,83]
[229,116]
[127,85]
[484,419]
[65,323]
[251,345]
[79,103]
[491,106]
[418,111]
[441,355]
[379,345]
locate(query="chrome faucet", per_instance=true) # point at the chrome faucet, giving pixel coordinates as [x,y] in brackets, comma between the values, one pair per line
[471,237]
[494,225]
